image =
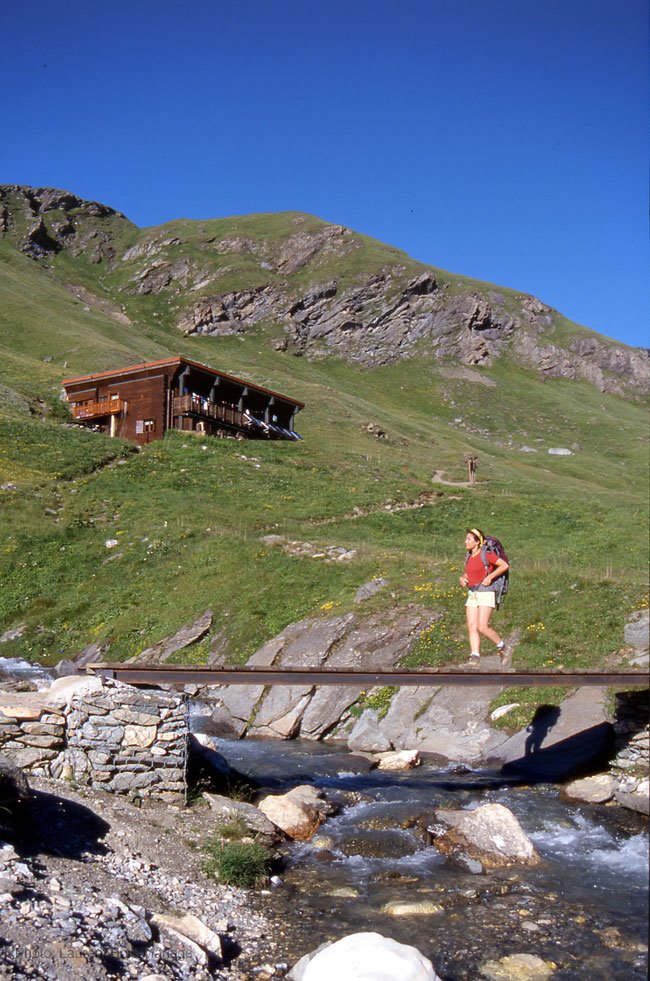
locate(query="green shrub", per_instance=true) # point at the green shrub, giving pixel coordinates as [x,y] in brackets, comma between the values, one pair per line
[237,863]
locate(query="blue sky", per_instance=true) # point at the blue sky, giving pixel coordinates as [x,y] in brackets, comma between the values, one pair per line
[501,139]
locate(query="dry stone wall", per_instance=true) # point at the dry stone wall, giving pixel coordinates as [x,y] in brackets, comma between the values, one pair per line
[101,733]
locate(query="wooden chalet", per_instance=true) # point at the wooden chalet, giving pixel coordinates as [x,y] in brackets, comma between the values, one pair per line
[141,402]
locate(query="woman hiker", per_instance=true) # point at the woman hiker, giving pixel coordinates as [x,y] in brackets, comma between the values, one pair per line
[481,597]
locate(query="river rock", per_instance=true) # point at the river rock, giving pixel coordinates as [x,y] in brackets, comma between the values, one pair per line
[592,790]
[634,800]
[491,833]
[403,759]
[518,967]
[364,957]
[227,810]
[192,931]
[298,813]
[422,908]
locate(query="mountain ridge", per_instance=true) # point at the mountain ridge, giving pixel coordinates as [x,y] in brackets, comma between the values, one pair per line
[312,289]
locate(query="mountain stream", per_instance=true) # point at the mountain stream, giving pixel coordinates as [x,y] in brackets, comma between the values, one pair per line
[372,866]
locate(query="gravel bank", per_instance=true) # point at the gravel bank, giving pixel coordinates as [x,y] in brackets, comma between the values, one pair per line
[87,874]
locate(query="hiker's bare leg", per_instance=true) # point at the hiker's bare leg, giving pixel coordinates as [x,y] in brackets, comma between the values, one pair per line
[473,629]
[484,614]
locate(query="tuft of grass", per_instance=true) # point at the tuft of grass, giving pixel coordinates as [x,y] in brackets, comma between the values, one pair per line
[233,830]
[237,863]
[530,701]
[379,700]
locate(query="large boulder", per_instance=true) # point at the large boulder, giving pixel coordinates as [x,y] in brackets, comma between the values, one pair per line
[298,813]
[364,957]
[491,834]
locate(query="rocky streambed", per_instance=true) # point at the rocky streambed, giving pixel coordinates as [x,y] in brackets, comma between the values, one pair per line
[375,865]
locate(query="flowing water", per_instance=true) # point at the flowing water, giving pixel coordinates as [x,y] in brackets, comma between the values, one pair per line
[373,866]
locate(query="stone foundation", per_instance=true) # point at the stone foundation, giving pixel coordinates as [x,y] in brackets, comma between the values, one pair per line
[101,733]
[632,732]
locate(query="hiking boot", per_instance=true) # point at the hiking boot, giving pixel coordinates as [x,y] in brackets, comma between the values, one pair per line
[474,662]
[506,654]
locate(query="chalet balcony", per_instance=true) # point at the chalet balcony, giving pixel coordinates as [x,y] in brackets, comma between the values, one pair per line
[95,410]
[193,405]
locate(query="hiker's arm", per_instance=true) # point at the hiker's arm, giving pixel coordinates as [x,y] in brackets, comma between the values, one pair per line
[498,569]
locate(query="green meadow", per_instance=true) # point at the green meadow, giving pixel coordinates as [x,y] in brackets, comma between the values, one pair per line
[189,514]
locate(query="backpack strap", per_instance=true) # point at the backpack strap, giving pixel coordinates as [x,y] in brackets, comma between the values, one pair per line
[484,550]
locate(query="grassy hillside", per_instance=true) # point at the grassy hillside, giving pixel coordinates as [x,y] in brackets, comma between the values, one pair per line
[189,515]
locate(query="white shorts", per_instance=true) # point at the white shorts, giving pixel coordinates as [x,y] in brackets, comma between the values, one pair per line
[487,598]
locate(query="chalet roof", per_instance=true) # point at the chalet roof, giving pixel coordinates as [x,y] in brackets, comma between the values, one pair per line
[177,362]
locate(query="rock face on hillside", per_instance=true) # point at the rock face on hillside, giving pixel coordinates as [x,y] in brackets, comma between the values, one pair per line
[44,221]
[300,284]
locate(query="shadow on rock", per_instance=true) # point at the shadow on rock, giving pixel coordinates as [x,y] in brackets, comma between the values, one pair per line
[582,754]
[53,825]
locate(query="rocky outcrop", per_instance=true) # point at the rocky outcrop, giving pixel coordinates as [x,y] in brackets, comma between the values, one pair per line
[231,313]
[298,274]
[346,641]
[45,220]
[182,639]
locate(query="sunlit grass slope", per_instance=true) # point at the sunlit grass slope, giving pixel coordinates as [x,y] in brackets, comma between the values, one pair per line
[189,515]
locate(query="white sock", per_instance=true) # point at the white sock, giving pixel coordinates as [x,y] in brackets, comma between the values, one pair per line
[501,645]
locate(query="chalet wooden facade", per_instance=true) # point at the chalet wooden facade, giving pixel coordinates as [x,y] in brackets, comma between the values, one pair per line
[140,403]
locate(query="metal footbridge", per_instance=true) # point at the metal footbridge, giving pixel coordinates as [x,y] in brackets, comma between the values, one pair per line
[152,675]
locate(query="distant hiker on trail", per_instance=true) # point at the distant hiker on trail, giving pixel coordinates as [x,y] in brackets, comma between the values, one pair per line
[482,568]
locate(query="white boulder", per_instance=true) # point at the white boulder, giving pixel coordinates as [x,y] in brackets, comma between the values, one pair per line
[364,957]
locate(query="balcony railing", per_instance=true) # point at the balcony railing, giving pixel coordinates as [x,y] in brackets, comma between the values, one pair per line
[95,410]
[210,410]
[202,408]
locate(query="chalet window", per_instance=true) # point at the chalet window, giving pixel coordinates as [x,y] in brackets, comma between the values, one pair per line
[149,425]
